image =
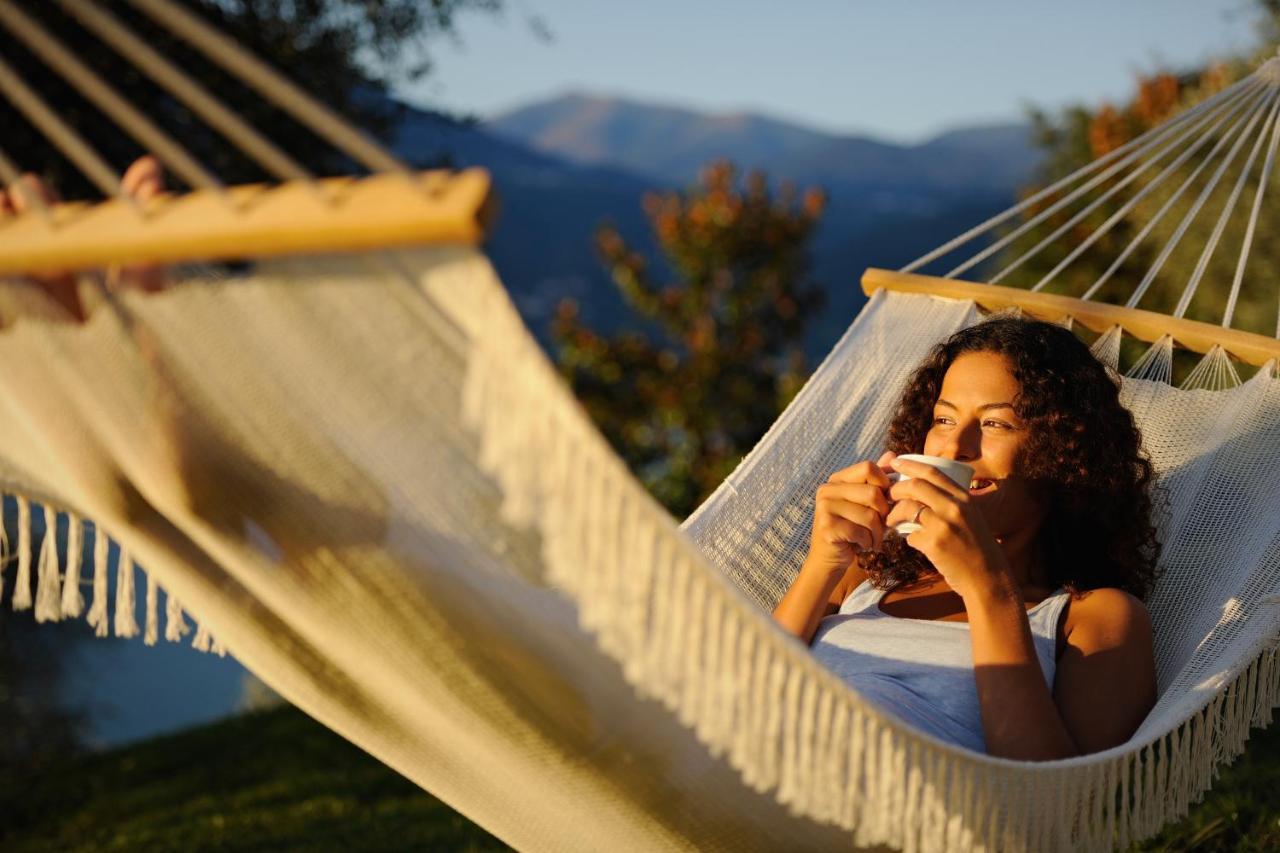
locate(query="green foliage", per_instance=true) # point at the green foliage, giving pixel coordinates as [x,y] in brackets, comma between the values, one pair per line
[683,402]
[275,780]
[343,51]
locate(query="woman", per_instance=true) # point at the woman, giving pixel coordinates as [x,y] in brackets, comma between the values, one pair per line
[1012,621]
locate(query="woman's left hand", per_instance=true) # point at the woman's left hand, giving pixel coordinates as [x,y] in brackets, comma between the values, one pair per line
[953,534]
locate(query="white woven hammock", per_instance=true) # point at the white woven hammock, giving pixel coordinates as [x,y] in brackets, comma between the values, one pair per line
[366,480]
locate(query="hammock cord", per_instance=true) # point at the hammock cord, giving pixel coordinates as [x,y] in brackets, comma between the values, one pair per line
[105,98]
[57,131]
[1133,202]
[981,228]
[1229,105]
[1176,237]
[1228,207]
[1000,245]
[1153,222]
[113,32]
[1247,243]
[273,86]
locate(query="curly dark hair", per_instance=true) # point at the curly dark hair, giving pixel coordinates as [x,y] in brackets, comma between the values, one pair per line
[1084,453]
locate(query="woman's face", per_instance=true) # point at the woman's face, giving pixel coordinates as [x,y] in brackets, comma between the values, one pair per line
[974,422]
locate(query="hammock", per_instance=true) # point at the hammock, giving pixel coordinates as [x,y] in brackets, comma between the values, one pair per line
[362,477]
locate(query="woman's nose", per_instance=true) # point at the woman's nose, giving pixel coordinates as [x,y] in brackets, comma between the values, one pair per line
[963,444]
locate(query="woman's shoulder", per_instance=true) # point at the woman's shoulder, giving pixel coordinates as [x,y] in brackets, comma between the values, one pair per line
[1106,616]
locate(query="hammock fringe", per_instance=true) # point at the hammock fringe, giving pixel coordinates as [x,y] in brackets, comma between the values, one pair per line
[58,595]
[22,585]
[72,599]
[49,576]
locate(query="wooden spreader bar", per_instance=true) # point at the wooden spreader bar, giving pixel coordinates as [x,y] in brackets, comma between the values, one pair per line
[255,221]
[1098,316]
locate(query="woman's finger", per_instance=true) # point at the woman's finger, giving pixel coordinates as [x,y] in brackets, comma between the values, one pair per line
[903,512]
[29,193]
[920,471]
[942,501]
[863,516]
[859,493]
[143,180]
[843,531]
[862,472]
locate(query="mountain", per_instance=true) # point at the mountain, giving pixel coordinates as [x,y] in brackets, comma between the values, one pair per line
[671,144]
[887,203]
[548,209]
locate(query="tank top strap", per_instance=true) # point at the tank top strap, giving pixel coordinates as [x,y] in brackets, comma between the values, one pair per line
[864,597]
[1044,617]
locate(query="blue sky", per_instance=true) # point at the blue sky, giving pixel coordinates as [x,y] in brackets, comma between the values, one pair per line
[901,70]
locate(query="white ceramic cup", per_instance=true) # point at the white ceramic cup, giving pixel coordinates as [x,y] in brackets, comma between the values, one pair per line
[958,472]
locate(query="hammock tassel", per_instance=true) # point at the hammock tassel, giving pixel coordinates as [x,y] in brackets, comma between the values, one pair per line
[175,627]
[72,600]
[152,632]
[5,551]
[49,576]
[203,640]
[126,624]
[97,617]
[22,586]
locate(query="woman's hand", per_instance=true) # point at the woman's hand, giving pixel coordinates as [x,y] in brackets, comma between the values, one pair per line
[142,181]
[953,533]
[849,515]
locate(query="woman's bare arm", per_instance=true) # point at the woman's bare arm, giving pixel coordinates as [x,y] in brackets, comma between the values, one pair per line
[1108,654]
[816,592]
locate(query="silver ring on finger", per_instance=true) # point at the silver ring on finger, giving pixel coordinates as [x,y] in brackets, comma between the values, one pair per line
[915,519]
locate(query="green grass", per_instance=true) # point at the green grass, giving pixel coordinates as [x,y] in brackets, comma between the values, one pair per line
[278,780]
[1242,810]
[268,781]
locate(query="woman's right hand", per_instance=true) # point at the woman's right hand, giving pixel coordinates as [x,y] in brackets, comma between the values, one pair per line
[849,513]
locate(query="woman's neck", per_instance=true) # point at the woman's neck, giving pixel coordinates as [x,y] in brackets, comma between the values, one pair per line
[1025,556]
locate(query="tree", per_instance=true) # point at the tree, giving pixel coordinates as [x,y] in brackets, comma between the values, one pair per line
[346,52]
[683,398]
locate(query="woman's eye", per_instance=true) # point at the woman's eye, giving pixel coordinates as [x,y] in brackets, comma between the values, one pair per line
[941,420]
[997,424]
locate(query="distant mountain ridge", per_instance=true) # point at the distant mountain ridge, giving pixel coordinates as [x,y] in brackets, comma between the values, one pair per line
[670,144]
[564,166]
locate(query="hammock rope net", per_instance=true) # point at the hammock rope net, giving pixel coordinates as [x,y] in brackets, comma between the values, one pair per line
[363,477]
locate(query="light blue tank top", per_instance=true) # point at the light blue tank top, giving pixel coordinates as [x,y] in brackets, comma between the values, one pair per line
[917,669]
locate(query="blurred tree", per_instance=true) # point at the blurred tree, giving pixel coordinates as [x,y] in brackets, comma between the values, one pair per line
[683,401]
[346,52]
